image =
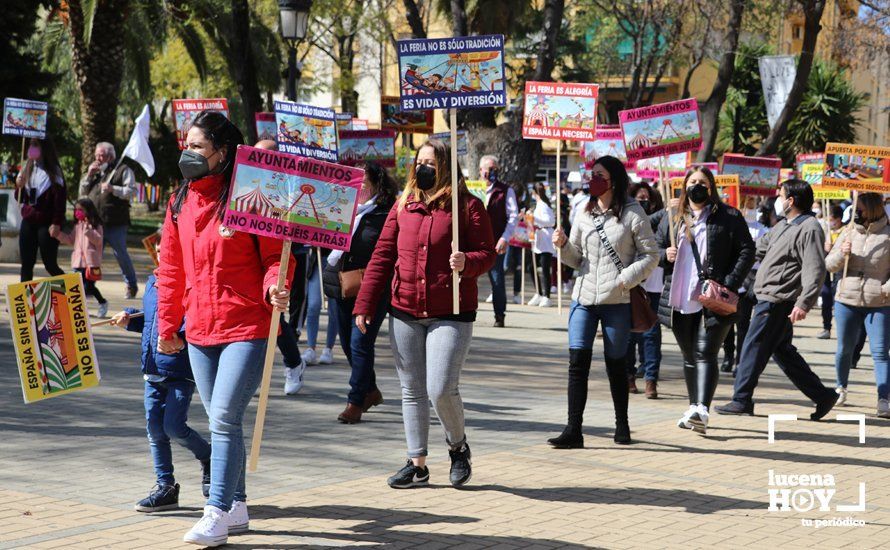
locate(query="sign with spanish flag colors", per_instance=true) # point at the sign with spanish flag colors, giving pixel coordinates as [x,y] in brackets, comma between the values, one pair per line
[52,338]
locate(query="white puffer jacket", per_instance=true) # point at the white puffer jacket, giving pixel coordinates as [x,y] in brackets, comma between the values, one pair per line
[599,281]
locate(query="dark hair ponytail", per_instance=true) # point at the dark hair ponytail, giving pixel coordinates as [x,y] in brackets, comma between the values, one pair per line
[386,187]
[222,133]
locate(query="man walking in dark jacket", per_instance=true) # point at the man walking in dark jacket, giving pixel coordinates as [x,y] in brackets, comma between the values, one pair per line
[789,279]
[503,211]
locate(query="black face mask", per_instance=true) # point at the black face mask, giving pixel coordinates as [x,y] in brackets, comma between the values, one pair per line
[859,218]
[425,176]
[645,205]
[697,194]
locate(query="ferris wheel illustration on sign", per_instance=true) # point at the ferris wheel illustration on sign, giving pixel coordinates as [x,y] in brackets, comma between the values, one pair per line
[358,152]
[453,73]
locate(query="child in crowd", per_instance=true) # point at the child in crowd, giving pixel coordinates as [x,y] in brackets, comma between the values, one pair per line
[86,258]
[168,392]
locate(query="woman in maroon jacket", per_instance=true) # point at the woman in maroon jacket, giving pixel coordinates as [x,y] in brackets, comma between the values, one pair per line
[40,189]
[429,341]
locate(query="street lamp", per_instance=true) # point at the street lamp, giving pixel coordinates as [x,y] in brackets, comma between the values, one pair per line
[294,21]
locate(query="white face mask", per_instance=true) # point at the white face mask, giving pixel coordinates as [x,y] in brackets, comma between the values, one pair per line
[780,207]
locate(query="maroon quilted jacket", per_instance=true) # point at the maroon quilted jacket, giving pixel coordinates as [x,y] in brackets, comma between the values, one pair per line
[412,256]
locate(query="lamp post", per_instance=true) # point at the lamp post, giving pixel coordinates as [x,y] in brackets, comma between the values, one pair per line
[293,23]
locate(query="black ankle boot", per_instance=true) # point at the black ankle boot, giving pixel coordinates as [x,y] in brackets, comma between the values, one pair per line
[579,371]
[615,369]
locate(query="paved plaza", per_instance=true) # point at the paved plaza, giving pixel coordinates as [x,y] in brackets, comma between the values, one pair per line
[72,467]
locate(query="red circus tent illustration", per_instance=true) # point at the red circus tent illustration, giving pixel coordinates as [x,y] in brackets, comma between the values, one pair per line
[639,141]
[255,202]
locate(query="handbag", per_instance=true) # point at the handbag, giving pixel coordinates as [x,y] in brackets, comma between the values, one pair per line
[350,282]
[641,314]
[91,273]
[714,297]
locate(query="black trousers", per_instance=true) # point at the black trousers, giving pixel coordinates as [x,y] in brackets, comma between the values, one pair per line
[770,335]
[544,273]
[31,239]
[699,345]
[89,287]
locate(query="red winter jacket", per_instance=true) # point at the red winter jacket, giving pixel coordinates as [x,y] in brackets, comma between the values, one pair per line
[219,284]
[412,255]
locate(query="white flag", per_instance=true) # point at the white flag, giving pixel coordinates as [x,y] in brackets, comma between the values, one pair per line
[777,76]
[137,148]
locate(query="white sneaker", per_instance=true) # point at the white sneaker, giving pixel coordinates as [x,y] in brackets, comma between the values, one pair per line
[545,302]
[553,289]
[517,299]
[536,299]
[684,420]
[883,408]
[103,311]
[841,396]
[239,521]
[211,530]
[490,299]
[699,419]
[567,288]
[309,356]
[326,357]
[293,379]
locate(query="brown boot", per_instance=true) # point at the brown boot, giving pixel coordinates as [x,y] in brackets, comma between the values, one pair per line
[651,389]
[373,399]
[632,384]
[352,414]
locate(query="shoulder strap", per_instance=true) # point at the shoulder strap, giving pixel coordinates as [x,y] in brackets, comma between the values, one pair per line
[600,229]
[697,257]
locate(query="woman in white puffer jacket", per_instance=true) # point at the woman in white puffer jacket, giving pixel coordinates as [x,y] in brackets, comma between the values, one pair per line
[602,289]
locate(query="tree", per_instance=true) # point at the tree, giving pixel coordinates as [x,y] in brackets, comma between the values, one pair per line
[336,25]
[710,111]
[812,10]
[21,73]
[414,15]
[743,119]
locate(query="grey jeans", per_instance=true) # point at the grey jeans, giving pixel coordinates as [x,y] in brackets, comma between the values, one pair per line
[429,355]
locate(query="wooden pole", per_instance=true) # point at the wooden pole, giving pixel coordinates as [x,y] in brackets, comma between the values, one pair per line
[108,321]
[455,275]
[849,232]
[535,274]
[668,193]
[558,226]
[267,365]
[522,277]
[324,303]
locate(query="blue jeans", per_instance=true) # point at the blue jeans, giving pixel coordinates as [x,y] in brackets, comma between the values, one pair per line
[227,376]
[649,345]
[359,348]
[313,312]
[849,330]
[116,236]
[166,415]
[498,287]
[615,318]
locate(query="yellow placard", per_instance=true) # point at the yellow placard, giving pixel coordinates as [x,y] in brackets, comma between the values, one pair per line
[478,188]
[820,193]
[857,167]
[52,337]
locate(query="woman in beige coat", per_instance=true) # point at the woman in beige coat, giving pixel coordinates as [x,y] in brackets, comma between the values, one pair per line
[863,295]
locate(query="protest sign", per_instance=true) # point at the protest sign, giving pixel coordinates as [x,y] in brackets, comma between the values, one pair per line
[674,166]
[300,199]
[520,237]
[607,141]
[266,127]
[461,140]
[863,168]
[777,76]
[478,189]
[563,111]
[185,111]
[151,244]
[821,192]
[51,335]
[452,73]
[714,167]
[344,121]
[306,131]
[808,158]
[392,117]
[757,175]
[372,145]
[661,130]
[24,118]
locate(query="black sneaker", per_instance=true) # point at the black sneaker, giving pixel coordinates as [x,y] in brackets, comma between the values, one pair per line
[131,292]
[410,476]
[736,408]
[825,406]
[461,471]
[205,478]
[162,497]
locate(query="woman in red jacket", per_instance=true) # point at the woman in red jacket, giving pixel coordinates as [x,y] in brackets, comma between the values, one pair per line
[223,281]
[429,341]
